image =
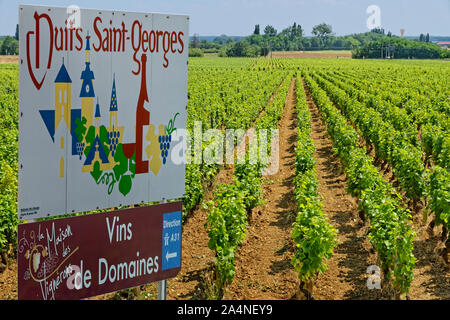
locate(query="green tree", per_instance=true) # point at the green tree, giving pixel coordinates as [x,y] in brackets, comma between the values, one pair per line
[323,31]
[17,32]
[10,46]
[256,31]
[270,31]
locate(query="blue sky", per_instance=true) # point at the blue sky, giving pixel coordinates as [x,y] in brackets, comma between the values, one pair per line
[238,17]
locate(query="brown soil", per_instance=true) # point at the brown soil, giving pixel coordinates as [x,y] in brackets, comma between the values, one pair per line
[8,282]
[346,277]
[263,269]
[9,59]
[311,54]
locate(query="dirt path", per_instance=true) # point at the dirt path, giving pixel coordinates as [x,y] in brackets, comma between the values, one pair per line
[263,269]
[346,275]
[431,275]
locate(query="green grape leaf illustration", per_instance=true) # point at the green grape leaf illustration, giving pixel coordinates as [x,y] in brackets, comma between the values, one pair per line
[80,129]
[124,170]
[96,172]
[90,137]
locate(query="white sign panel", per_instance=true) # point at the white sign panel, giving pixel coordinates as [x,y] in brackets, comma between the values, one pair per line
[101,97]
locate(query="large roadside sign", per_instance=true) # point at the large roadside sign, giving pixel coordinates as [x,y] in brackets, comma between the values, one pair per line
[102,109]
[102,96]
[80,257]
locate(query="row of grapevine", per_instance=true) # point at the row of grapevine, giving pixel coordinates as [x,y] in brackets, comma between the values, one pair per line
[390,231]
[313,234]
[9,79]
[232,204]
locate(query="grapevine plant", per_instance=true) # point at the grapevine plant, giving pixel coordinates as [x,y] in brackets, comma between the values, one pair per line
[313,234]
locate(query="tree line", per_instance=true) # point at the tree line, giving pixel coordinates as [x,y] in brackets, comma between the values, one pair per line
[399,48]
[292,38]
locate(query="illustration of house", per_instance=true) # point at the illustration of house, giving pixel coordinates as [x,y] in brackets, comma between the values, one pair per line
[63,86]
[61,138]
[60,121]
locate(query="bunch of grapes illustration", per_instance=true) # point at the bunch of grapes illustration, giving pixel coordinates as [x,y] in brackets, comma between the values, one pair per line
[164,146]
[166,139]
[80,148]
[113,140]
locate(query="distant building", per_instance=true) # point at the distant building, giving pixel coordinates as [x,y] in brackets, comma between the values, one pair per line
[443,44]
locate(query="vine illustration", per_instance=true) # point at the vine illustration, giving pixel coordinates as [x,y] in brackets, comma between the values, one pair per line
[104,179]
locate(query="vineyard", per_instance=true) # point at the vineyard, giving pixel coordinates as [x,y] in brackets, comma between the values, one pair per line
[359,207]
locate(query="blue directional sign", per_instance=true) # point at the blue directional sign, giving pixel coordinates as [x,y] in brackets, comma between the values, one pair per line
[171,240]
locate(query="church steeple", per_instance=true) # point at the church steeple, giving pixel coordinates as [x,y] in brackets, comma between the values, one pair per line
[97,117]
[87,92]
[87,87]
[113,105]
[88,48]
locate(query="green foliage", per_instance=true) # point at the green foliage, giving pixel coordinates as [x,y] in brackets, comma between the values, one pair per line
[391,233]
[243,49]
[9,79]
[392,145]
[323,31]
[221,94]
[8,205]
[249,177]
[439,195]
[9,46]
[226,226]
[404,49]
[313,234]
[227,218]
[195,52]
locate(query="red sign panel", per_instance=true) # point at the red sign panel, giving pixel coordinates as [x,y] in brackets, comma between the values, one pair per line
[84,256]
